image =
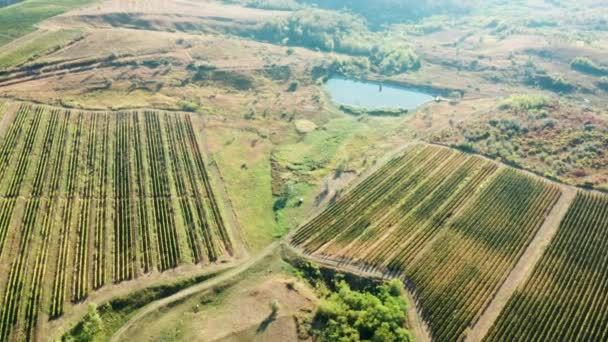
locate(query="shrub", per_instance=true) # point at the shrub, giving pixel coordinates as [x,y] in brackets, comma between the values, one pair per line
[553,83]
[524,102]
[188,106]
[376,315]
[274,307]
[586,65]
[293,86]
[602,83]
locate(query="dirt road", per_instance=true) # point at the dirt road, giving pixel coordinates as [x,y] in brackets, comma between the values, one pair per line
[219,280]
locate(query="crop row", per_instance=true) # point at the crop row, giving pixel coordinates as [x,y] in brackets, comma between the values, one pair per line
[101,214]
[58,289]
[7,149]
[167,244]
[565,298]
[123,226]
[190,143]
[330,224]
[40,267]
[423,215]
[91,197]
[16,276]
[450,224]
[142,204]
[81,262]
[460,272]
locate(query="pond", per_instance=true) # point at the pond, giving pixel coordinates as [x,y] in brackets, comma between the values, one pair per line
[370,95]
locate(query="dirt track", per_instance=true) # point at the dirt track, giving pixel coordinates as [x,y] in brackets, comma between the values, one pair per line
[229,275]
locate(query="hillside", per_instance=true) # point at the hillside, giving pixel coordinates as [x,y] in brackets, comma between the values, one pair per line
[159,157]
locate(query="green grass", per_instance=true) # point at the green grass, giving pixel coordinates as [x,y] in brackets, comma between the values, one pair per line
[43,43]
[249,187]
[21,18]
[293,214]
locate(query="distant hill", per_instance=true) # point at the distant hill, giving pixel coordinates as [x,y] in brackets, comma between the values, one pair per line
[380,12]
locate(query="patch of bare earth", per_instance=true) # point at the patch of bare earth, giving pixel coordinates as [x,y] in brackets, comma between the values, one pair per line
[242,314]
[523,269]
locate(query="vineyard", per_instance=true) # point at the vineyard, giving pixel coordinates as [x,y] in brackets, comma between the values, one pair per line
[90,199]
[452,225]
[565,298]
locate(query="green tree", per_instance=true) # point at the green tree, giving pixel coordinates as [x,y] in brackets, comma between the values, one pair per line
[92,324]
[377,315]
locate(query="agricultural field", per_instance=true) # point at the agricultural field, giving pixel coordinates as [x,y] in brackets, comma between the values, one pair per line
[450,224]
[36,45]
[150,149]
[91,199]
[565,297]
[22,17]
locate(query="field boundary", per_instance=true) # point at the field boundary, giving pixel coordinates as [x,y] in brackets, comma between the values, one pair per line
[524,267]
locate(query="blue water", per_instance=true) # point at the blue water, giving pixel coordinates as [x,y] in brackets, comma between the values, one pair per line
[368,95]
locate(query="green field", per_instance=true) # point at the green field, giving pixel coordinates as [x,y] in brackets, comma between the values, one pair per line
[44,42]
[459,274]
[20,19]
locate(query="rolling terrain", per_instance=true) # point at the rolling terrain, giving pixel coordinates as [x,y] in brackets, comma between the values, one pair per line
[146,147]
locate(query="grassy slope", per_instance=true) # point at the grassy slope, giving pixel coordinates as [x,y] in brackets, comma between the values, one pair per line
[250,188]
[344,142]
[117,311]
[20,19]
[316,155]
[42,43]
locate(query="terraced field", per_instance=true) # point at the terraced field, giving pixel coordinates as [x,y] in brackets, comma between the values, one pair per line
[90,199]
[565,298]
[452,225]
